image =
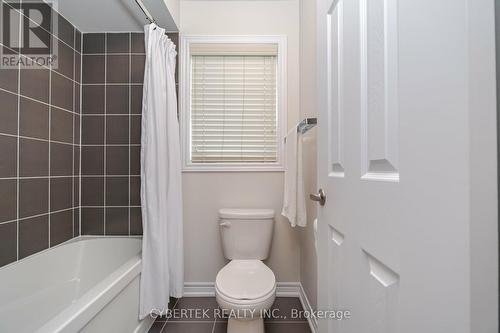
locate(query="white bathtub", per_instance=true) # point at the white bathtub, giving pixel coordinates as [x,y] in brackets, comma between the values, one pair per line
[86,285]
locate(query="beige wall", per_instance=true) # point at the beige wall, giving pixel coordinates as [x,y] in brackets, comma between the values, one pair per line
[173,7]
[205,193]
[308,268]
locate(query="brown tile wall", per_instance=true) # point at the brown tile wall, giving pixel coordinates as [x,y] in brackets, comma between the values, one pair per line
[40,148]
[113,73]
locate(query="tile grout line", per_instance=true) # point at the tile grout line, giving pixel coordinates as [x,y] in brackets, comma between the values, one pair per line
[18,159]
[80,142]
[36,100]
[73,147]
[105,125]
[129,123]
[50,145]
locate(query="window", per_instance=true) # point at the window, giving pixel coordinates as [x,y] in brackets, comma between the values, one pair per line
[231,104]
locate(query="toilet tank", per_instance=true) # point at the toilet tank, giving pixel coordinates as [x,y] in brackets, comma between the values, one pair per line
[246,233]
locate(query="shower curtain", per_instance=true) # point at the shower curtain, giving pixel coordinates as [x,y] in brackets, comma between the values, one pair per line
[161,192]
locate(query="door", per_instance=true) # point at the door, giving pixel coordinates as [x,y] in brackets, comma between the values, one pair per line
[407,157]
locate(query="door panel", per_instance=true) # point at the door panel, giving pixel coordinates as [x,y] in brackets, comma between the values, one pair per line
[394,157]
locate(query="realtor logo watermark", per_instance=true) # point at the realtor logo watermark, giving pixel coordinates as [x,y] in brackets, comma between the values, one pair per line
[27,34]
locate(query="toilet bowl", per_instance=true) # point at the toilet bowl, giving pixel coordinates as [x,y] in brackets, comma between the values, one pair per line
[245,290]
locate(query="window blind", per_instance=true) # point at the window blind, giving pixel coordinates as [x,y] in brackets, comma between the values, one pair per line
[233,107]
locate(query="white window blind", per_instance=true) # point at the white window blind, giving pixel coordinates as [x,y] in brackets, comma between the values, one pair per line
[234,105]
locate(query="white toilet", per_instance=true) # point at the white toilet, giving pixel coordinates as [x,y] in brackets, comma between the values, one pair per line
[245,288]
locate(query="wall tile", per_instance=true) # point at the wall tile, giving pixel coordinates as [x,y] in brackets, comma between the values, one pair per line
[117,129]
[92,160]
[122,137]
[37,117]
[8,243]
[135,221]
[93,99]
[35,84]
[78,41]
[8,115]
[117,69]
[8,200]
[135,160]
[117,43]
[8,162]
[117,160]
[92,191]
[117,191]
[33,235]
[33,196]
[94,69]
[33,119]
[136,99]
[137,66]
[93,130]
[9,79]
[65,31]
[65,59]
[34,158]
[62,91]
[61,193]
[135,191]
[61,159]
[137,42]
[117,100]
[93,43]
[92,221]
[61,125]
[135,129]
[61,227]
[116,221]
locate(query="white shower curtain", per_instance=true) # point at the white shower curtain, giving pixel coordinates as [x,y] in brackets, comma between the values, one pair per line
[161,193]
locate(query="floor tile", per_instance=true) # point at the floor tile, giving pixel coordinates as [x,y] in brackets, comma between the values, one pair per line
[197,309]
[171,304]
[220,327]
[187,327]
[278,327]
[157,326]
[289,308]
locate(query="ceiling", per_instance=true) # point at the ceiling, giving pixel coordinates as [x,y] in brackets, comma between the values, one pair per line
[114,15]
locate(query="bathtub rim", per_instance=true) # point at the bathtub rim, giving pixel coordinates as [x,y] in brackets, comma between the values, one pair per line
[69,241]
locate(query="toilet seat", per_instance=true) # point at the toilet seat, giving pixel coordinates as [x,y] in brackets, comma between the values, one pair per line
[245,281]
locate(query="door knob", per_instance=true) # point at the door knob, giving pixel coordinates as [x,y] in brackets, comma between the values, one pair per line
[319,197]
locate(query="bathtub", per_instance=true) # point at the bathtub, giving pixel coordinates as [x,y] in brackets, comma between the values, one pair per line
[89,284]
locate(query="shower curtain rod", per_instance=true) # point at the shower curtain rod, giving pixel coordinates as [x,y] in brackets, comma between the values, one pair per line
[145,11]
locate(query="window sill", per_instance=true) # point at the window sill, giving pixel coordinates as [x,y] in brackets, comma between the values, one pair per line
[233,168]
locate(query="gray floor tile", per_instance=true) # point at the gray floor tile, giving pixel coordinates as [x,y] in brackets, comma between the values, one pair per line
[280,327]
[220,327]
[188,327]
[157,326]
[197,309]
[286,305]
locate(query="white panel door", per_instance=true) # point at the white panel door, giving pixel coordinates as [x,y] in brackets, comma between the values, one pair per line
[406,116]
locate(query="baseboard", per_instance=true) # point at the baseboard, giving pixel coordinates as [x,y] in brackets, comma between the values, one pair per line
[283,289]
[144,325]
[313,322]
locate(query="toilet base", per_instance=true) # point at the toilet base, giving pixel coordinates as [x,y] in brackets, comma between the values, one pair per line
[245,326]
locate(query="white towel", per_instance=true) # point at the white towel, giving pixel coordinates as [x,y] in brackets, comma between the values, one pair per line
[294,201]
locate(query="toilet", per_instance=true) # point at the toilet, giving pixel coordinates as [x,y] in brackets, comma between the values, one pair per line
[245,288]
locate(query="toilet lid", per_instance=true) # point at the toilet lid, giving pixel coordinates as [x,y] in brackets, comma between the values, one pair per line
[245,279]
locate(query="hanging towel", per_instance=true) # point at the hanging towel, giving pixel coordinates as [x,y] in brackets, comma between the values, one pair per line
[294,201]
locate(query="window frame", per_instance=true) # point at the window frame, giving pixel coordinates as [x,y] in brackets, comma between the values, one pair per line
[185,103]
